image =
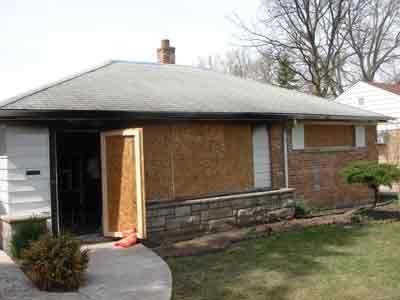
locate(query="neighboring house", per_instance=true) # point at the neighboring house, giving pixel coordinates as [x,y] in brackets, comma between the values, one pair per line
[381,98]
[378,97]
[173,150]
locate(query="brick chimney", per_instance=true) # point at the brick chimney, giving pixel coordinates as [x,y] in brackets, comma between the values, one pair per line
[166,54]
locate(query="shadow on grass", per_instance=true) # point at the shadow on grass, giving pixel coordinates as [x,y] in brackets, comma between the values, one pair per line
[382,215]
[263,268]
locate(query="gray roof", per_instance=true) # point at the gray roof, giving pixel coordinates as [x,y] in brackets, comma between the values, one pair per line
[154,88]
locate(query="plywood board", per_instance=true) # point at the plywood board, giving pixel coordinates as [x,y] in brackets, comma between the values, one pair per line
[190,159]
[157,162]
[328,135]
[121,188]
[211,157]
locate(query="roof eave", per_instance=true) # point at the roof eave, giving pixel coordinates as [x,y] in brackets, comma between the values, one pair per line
[162,115]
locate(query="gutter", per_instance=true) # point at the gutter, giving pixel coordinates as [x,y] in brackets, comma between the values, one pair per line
[56,115]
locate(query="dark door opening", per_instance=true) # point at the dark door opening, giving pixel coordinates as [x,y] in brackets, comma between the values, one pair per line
[79,182]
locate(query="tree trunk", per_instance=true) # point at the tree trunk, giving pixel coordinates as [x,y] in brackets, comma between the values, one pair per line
[376,196]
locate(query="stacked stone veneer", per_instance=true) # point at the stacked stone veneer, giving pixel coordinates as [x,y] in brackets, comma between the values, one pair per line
[184,219]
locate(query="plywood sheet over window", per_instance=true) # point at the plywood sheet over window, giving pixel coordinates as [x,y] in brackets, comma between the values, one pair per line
[328,135]
[157,144]
[211,158]
[194,159]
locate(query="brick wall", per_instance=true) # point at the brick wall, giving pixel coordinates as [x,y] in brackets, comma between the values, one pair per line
[277,162]
[314,174]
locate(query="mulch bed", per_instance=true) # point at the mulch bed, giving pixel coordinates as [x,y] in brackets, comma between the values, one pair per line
[216,242]
[388,213]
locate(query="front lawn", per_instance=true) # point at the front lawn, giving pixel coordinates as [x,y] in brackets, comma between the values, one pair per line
[328,262]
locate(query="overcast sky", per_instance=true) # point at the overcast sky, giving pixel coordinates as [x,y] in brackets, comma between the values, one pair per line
[45,40]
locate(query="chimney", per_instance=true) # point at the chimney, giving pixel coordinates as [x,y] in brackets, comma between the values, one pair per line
[166,54]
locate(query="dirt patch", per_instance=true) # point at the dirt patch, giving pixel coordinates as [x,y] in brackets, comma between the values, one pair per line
[219,241]
[216,242]
[387,213]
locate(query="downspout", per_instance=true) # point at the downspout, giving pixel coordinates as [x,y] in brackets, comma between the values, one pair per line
[55,205]
[172,160]
[285,157]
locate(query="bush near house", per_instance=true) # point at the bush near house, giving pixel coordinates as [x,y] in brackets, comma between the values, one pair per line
[372,174]
[55,263]
[300,209]
[26,232]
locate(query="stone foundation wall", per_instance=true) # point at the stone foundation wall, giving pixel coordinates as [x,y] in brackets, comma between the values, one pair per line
[179,220]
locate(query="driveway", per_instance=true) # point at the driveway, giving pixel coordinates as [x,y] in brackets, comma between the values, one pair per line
[120,274]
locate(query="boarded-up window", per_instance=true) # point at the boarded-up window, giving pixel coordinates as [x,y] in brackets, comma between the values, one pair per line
[328,135]
[196,159]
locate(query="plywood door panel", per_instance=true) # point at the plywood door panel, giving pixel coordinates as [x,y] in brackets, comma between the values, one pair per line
[121,188]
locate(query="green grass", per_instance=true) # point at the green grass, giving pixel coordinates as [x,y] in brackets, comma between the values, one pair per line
[328,262]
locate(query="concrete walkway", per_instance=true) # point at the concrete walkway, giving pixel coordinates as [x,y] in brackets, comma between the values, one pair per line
[117,274]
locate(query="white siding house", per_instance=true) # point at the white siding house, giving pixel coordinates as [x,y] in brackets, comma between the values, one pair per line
[24,171]
[371,97]
[384,99]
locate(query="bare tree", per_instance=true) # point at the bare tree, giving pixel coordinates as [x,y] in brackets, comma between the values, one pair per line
[241,62]
[374,34]
[332,43]
[309,31]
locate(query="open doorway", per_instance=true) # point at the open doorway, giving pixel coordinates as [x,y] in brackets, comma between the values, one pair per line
[79,182]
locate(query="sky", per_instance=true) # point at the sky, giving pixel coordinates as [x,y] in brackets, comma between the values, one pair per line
[45,40]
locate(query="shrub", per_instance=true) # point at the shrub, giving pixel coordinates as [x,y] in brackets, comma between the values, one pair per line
[24,233]
[300,209]
[372,174]
[56,263]
[356,218]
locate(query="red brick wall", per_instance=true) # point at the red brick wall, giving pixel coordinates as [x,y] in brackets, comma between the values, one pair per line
[315,176]
[277,162]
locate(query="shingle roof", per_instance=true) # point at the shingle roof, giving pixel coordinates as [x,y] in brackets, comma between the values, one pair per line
[147,87]
[390,87]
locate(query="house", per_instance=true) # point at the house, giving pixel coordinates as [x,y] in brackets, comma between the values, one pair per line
[173,150]
[383,98]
